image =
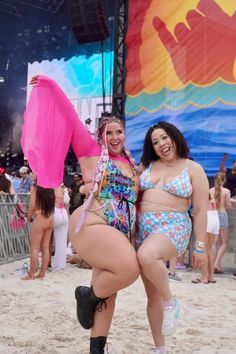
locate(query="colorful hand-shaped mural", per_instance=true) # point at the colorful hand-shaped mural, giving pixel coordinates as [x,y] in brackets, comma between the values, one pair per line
[181,67]
[204,44]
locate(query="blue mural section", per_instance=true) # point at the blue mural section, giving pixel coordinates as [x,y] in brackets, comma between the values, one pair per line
[210,132]
[80,76]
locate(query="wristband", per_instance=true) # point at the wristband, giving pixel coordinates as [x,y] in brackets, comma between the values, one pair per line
[200,244]
[196,250]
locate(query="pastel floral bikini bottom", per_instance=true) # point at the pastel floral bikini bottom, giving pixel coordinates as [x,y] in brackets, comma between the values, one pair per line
[176,226]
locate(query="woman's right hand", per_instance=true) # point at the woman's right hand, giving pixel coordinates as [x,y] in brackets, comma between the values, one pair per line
[34,80]
[198,260]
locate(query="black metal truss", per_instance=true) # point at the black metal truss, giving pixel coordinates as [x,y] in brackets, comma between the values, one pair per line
[119,74]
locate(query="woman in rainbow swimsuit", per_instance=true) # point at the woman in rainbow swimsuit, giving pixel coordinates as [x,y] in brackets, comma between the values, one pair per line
[100,230]
[168,182]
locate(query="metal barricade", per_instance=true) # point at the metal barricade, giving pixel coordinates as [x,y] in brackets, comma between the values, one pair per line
[14,244]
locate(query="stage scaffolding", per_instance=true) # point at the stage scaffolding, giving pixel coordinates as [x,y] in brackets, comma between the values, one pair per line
[121,23]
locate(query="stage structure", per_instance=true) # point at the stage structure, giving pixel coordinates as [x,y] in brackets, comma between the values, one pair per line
[50,31]
[121,22]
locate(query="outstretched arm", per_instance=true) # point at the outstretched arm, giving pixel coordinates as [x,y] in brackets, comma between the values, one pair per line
[50,125]
[222,164]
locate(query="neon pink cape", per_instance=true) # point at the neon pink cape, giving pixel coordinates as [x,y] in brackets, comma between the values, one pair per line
[50,126]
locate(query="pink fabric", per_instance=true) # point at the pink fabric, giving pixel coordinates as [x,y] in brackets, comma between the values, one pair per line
[50,125]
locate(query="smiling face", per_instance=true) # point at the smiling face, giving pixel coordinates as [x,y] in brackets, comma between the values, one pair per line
[163,145]
[115,137]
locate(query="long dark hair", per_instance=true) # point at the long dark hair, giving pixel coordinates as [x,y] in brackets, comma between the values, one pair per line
[176,136]
[45,200]
[5,184]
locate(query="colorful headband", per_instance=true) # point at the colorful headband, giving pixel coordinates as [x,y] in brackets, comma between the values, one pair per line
[2,170]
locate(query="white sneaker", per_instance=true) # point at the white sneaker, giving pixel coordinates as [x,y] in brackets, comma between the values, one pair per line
[173,277]
[170,319]
[157,351]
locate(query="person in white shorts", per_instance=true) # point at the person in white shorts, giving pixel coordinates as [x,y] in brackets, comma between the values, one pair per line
[213,227]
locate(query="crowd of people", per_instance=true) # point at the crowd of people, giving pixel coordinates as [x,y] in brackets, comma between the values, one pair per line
[121,216]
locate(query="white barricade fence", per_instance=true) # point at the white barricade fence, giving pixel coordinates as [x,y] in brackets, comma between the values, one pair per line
[14,232]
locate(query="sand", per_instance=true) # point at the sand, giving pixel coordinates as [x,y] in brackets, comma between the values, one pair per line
[39,316]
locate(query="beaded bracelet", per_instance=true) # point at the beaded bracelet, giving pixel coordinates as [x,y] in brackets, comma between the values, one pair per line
[196,250]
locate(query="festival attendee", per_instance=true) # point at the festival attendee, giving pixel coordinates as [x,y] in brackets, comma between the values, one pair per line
[230,182]
[98,228]
[33,179]
[180,262]
[223,203]
[77,197]
[173,276]
[60,230]
[77,180]
[213,226]
[26,183]
[168,181]
[41,208]
[6,187]
[15,180]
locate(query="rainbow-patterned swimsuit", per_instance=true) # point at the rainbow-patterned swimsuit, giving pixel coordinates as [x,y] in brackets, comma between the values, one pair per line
[117,196]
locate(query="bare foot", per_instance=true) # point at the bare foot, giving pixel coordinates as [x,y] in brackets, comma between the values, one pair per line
[28,276]
[39,276]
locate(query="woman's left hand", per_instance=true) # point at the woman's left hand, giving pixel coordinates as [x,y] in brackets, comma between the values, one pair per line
[198,260]
[34,80]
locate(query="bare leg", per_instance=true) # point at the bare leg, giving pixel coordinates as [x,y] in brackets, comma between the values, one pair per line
[45,246]
[172,265]
[211,258]
[154,312]
[205,266]
[152,256]
[36,236]
[51,249]
[103,319]
[224,238]
[107,249]
[215,247]
[180,260]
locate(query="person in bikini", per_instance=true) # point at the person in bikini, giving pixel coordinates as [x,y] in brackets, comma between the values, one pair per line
[213,226]
[41,209]
[223,203]
[168,182]
[100,230]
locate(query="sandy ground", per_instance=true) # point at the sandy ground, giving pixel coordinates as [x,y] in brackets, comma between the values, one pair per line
[39,316]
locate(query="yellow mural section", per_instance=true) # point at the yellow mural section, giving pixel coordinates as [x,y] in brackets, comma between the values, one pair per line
[154,52]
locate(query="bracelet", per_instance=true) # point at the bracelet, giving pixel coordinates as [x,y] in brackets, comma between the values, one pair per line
[200,244]
[196,250]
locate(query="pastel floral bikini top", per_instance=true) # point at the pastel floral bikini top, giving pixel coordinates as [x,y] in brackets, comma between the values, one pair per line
[179,185]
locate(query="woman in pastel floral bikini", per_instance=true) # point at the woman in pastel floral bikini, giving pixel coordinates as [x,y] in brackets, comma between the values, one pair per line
[168,181]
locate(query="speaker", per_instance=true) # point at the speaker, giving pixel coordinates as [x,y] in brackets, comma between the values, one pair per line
[88,21]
